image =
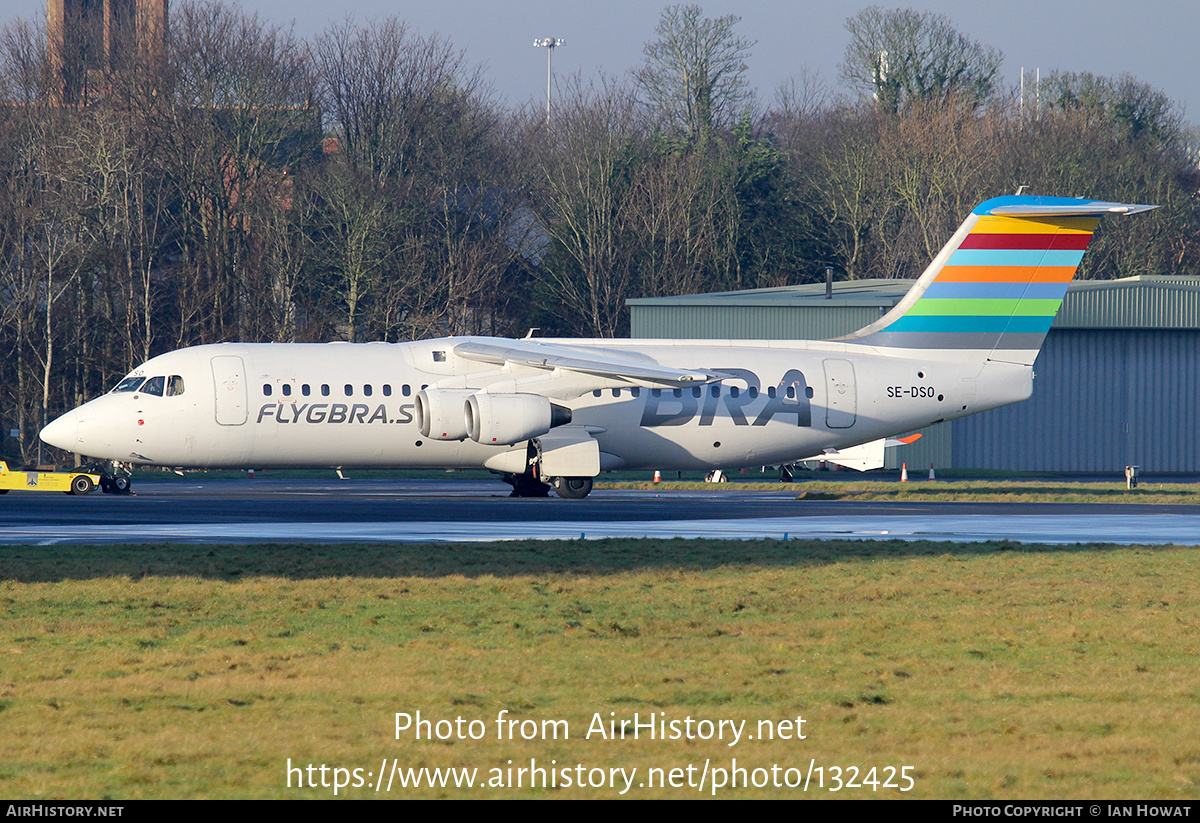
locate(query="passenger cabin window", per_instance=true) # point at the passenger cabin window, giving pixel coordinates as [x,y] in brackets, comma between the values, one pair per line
[305,390]
[367,390]
[154,386]
[387,390]
[129,384]
[324,389]
[406,390]
[266,389]
[349,390]
[174,386]
[287,390]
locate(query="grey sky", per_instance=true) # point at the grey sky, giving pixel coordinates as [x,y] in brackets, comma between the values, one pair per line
[1154,40]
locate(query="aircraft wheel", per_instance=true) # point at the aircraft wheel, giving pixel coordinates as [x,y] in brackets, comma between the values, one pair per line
[80,484]
[572,488]
[120,485]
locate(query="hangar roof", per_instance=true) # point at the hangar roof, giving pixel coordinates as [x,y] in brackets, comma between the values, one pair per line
[1143,302]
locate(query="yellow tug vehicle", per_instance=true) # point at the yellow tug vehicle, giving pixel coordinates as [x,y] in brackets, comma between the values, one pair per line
[75,482]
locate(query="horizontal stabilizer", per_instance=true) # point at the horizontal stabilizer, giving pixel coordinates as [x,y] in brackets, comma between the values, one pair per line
[863,457]
[1070,209]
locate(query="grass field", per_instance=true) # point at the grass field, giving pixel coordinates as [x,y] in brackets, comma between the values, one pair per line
[989,670]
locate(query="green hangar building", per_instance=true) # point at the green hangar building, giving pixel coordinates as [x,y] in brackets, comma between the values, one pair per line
[1115,383]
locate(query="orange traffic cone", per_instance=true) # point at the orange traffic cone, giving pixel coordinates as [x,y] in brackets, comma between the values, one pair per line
[657,476]
[903,472]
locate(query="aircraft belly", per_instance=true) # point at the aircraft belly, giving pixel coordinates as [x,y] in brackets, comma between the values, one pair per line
[716,446]
[393,444]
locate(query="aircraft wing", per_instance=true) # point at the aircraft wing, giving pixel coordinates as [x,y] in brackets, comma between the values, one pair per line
[546,356]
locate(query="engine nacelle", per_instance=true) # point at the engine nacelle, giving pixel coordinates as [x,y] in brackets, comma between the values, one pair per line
[504,419]
[440,413]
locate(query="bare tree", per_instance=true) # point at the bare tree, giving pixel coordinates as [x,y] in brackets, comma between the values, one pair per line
[844,170]
[681,215]
[1137,109]
[694,73]
[242,119]
[585,199]
[357,239]
[902,56]
[385,91]
[417,125]
[800,97]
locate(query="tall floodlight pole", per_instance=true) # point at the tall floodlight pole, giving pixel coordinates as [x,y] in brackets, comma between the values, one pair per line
[549,44]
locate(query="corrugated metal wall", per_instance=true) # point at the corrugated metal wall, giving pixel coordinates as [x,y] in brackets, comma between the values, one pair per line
[1103,399]
[721,322]
[1134,304]
[936,446]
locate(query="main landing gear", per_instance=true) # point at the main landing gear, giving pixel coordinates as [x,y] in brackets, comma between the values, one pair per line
[572,488]
[114,477]
[530,484]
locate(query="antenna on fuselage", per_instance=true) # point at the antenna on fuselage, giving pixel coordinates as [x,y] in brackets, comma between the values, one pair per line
[529,334]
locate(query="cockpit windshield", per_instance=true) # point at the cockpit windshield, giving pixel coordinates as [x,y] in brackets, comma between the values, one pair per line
[158,386]
[129,384]
[154,386]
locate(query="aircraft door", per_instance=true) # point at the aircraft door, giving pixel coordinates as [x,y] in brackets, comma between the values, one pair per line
[229,388]
[841,395]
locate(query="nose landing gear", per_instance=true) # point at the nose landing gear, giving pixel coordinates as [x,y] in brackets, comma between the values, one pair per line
[114,477]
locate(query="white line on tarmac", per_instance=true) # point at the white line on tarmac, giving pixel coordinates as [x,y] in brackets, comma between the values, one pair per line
[1025,528]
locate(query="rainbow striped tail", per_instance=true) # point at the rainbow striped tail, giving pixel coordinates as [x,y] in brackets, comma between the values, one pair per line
[997,284]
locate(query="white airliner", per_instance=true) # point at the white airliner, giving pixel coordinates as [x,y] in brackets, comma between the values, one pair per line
[555,413]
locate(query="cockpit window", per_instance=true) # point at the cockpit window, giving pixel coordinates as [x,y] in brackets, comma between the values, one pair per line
[174,386]
[129,384]
[154,386]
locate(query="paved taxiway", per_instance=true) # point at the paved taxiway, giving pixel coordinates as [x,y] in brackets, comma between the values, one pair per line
[246,511]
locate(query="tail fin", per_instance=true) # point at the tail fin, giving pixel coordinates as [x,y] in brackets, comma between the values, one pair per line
[996,285]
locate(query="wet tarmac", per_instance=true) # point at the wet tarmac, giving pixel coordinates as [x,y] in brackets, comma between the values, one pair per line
[457,510]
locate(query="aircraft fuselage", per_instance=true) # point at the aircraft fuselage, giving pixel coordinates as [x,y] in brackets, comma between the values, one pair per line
[355,405]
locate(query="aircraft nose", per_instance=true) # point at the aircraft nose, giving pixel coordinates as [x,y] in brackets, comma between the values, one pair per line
[63,433]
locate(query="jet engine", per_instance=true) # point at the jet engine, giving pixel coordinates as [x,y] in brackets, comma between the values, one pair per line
[504,419]
[440,413]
